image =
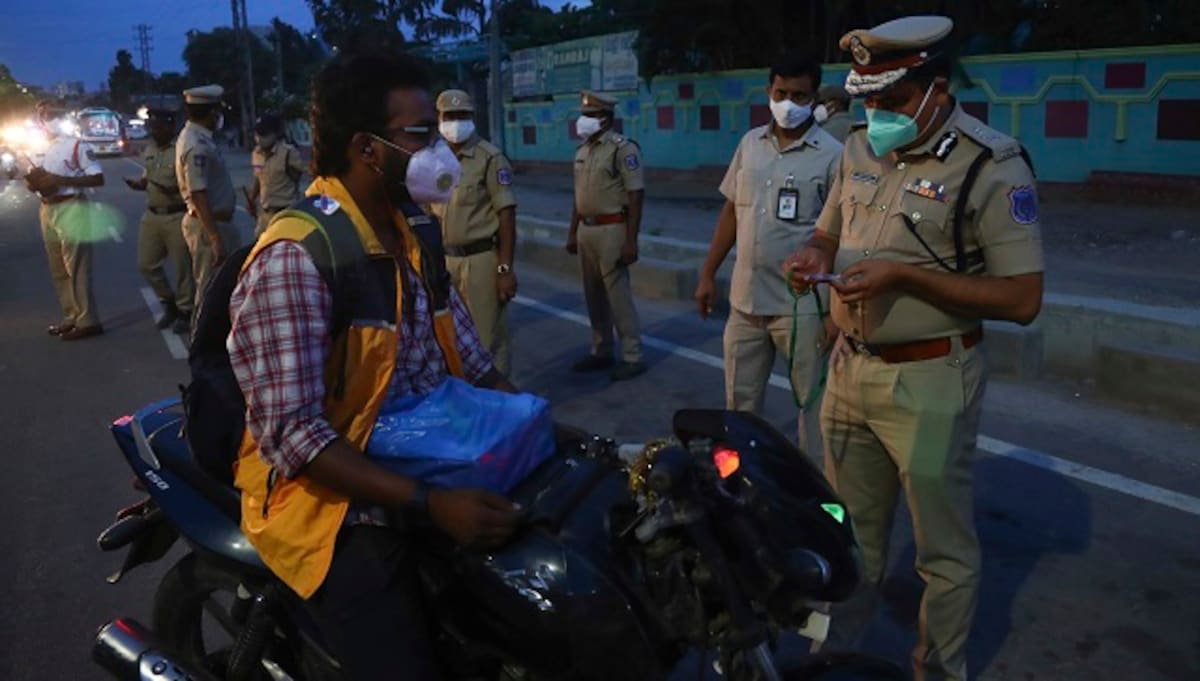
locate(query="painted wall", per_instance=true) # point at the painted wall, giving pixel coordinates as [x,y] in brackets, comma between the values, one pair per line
[1123,110]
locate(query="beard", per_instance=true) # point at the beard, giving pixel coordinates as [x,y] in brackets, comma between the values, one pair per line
[395,171]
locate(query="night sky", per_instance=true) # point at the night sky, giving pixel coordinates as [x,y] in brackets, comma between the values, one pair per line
[47,41]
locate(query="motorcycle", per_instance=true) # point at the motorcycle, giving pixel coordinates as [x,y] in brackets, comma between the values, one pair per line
[723,539]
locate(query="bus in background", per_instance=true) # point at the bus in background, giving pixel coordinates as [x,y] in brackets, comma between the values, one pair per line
[101,128]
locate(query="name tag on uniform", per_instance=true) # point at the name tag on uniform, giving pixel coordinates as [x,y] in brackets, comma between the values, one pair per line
[787,205]
[928,189]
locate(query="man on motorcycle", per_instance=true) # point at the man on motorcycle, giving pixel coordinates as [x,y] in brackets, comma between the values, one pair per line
[316,364]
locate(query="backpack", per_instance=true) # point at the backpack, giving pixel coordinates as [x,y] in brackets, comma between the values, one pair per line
[213,405]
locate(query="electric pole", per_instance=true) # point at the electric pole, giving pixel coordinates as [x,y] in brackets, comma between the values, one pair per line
[496,90]
[241,32]
[143,40]
[277,39]
[249,67]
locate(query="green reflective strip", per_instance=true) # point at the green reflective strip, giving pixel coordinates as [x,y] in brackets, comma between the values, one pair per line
[836,511]
[820,386]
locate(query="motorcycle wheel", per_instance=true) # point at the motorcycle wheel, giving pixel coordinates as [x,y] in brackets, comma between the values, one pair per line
[194,618]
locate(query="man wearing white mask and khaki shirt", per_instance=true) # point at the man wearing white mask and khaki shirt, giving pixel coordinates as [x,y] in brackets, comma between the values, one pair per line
[479,226]
[774,190]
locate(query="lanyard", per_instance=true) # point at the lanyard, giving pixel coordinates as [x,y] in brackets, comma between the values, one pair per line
[815,393]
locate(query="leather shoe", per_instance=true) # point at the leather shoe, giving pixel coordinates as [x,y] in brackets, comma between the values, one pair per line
[627,370]
[182,326]
[59,329]
[81,332]
[592,363]
[170,314]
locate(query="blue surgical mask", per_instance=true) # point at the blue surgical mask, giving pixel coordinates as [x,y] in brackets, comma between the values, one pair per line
[888,130]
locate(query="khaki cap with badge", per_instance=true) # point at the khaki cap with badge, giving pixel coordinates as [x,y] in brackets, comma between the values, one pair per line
[595,102]
[883,55]
[454,101]
[205,94]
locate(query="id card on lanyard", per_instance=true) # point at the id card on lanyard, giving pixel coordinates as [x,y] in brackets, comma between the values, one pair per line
[787,205]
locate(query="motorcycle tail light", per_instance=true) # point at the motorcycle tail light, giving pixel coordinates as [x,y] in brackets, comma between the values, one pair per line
[727,461]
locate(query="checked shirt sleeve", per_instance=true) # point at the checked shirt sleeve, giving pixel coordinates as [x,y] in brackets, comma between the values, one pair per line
[477,361]
[278,345]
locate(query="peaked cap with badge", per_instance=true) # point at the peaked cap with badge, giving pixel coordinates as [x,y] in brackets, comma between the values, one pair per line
[884,55]
[595,102]
[455,100]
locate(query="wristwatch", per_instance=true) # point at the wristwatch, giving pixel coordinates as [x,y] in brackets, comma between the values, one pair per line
[503,268]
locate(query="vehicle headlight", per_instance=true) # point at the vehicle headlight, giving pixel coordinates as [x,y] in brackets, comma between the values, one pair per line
[14,134]
[7,157]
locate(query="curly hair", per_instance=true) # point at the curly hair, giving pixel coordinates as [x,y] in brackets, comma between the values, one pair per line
[350,96]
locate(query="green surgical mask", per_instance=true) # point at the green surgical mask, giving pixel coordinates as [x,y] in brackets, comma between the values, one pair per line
[888,130]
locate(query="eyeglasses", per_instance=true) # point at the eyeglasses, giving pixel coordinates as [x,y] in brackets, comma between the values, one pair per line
[420,134]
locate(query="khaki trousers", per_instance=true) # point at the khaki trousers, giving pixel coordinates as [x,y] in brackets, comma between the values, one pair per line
[911,428]
[751,344]
[160,238]
[608,291]
[70,261]
[201,250]
[475,278]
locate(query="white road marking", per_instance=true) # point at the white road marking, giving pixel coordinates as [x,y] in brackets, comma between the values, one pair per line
[174,343]
[1094,476]
[116,236]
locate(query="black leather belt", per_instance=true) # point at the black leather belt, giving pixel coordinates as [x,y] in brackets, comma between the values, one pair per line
[472,248]
[169,210]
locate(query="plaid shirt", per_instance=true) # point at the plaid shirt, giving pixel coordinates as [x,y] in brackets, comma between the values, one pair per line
[279,344]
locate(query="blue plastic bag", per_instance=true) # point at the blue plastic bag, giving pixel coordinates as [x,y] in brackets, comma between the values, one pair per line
[463,436]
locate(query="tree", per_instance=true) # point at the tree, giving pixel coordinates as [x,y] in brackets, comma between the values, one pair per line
[352,25]
[209,58]
[14,97]
[170,82]
[124,79]
[302,55]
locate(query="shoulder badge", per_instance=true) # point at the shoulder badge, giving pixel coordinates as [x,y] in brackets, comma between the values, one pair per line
[632,162]
[504,177]
[1003,147]
[1022,204]
[326,205]
[946,145]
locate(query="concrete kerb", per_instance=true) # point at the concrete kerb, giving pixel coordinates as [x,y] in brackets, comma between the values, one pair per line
[1110,341]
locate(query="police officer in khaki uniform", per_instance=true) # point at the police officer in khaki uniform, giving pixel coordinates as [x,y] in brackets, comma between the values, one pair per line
[479,225]
[609,189]
[833,111]
[901,410]
[160,236]
[277,167]
[774,190]
[204,182]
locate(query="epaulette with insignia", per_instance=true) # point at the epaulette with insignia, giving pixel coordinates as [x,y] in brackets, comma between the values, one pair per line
[1003,147]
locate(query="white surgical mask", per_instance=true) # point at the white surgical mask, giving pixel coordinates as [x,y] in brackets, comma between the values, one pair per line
[820,114]
[457,132]
[587,126]
[790,115]
[432,172]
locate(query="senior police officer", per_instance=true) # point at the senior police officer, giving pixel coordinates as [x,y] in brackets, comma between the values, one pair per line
[833,111]
[609,190]
[204,182]
[160,235]
[278,167]
[774,189]
[933,226]
[479,225]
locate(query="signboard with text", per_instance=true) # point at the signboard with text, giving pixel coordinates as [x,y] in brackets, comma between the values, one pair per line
[606,62]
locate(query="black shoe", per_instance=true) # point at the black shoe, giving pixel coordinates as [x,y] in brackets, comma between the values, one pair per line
[592,363]
[60,329]
[182,326]
[81,332]
[627,370]
[170,314]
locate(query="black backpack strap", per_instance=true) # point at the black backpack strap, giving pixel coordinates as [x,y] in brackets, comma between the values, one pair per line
[960,205]
[428,232]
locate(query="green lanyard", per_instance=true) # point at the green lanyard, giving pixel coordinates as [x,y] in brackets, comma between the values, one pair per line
[815,393]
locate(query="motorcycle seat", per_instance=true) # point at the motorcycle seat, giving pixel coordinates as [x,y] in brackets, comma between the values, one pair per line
[174,454]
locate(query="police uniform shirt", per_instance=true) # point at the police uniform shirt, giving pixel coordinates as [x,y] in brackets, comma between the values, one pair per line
[70,157]
[602,182]
[872,196]
[158,169]
[199,167]
[759,169]
[838,125]
[275,170]
[484,189]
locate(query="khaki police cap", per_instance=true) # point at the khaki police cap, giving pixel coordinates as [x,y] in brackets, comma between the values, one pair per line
[205,94]
[594,102]
[455,100]
[881,56]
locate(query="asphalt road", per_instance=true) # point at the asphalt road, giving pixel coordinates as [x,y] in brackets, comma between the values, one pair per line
[1089,516]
